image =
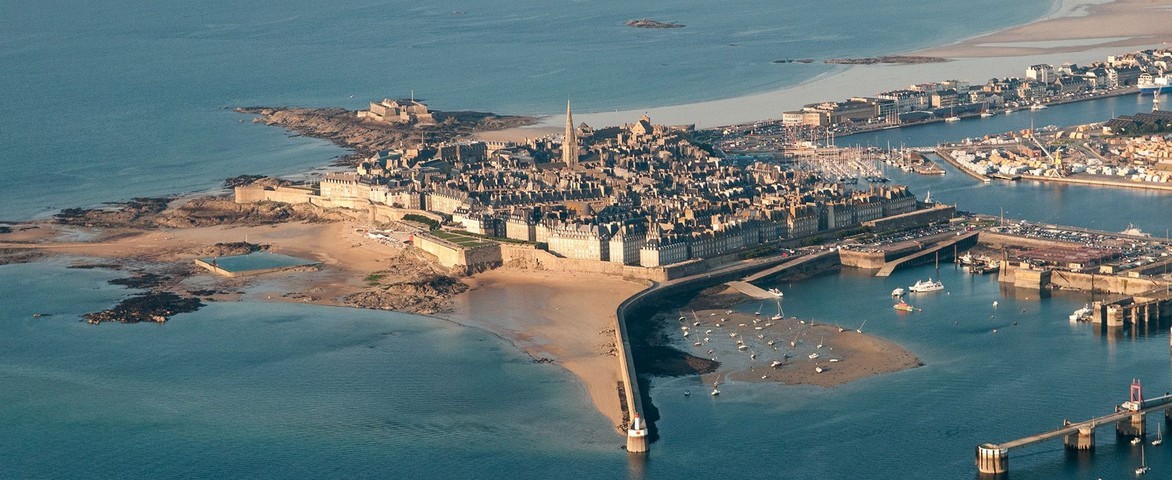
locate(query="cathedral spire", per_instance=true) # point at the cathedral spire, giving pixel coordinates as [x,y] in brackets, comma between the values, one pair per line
[570,144]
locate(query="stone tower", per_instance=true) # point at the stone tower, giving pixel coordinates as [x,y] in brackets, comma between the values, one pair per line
[570,145]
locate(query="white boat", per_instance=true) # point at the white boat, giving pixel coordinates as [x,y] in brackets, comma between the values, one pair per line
[819,369]
[1037,106]
[898,292]
[834,360]
[1136,441]
[986,114]
[775,292]
[776,317]
[1081,314]
[820,342]
[1154,85]
[775,363]
[1159,436]
[814,355]
[922,286]
[953,118]
[715,392]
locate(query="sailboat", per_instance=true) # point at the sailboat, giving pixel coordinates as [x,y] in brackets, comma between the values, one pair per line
[820,341]
[860,329]
[778,315]
[1143,463]
[1159,436]
[758,313]
[952,117]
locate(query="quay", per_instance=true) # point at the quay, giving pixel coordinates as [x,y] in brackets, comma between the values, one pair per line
[1129,418]
[639,424]
[963,241]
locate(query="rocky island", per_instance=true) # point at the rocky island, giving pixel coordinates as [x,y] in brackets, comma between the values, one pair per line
[647,23]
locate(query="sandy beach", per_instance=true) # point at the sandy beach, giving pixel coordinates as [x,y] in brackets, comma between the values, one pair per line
[1074,26]
[567,318]
[1075,31]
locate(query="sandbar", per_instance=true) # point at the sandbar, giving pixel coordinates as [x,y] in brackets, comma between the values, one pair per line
[843,353]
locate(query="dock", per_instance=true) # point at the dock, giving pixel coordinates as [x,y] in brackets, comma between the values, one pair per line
[924,255]
[1129,419]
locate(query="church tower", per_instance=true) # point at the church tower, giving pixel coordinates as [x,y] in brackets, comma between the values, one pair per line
[570,145]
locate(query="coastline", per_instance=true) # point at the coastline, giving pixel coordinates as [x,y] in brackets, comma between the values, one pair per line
[566,318]
[1060,36]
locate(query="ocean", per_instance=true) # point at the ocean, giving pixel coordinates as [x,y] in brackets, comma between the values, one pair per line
[133,98]
[107,101]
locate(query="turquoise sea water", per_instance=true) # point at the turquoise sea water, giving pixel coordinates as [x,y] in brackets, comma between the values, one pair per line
[250,390]
[110,100]
[257,261]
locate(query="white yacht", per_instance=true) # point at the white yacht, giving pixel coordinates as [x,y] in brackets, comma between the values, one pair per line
[1081,314]
[898,292]
[922,286]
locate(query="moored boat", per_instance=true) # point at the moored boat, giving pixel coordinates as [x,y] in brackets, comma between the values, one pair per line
[922,286]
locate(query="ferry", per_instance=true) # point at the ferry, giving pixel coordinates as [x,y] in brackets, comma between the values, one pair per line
[926,286]
[1154,85]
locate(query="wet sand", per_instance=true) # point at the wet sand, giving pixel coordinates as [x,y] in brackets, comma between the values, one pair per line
[1074,26]
[844,356]
[567,318]
[1077,31]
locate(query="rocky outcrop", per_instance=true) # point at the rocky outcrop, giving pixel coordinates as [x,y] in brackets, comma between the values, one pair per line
[146,307]
[138,212]
[886,59]
[648,23]
[412,284]
[344,128]
[425,296]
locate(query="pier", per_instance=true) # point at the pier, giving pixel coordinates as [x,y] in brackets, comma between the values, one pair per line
[638,424]
[1129,419]
[964,240]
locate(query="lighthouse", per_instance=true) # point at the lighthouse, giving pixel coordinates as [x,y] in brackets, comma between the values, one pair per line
[637,435]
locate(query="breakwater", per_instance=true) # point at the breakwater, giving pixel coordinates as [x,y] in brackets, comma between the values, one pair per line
[643,306]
